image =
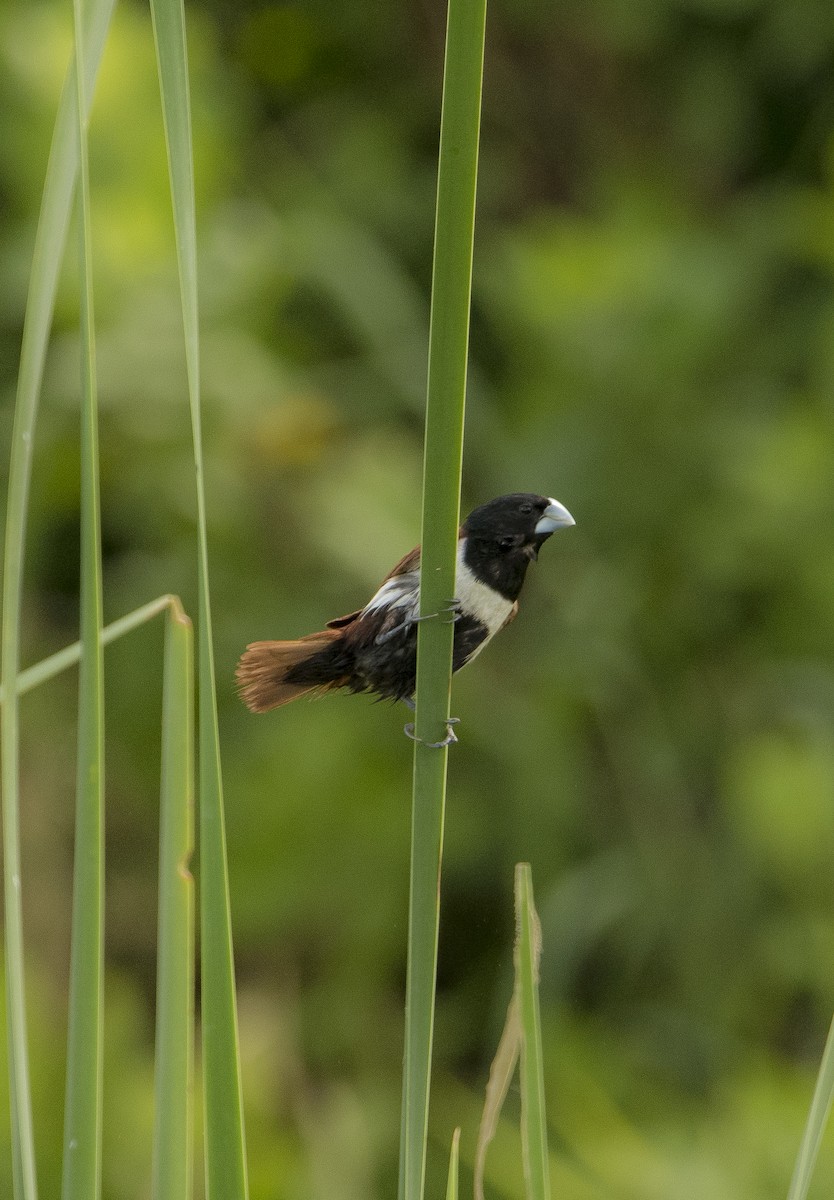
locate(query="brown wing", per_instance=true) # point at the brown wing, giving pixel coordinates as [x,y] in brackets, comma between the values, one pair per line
[409,562]
[341,622]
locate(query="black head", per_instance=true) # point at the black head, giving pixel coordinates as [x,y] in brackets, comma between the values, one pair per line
[505,535]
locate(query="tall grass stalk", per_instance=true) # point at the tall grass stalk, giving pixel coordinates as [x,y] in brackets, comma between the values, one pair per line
[50,240]
[173,1132]
[448,349]
[224,1135]
[81,1178]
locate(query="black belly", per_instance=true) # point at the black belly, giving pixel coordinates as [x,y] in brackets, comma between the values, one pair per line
[390,669]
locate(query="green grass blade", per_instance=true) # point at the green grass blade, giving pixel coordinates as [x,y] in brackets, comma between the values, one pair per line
[448,349]
[50,239]
[224,1135]
[83,1106]
[172,1148]
[452,1185]
[533,1117]
[815,1125]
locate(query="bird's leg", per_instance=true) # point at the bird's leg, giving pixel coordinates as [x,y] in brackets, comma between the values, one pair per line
[382,638]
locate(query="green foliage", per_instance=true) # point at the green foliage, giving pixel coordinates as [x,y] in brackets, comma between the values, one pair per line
[651,342]
[55,204]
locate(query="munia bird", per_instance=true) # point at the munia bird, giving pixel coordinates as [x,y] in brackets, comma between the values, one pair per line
[375,648]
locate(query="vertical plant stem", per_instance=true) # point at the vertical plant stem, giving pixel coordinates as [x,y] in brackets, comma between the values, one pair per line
[533,1118]
[448,349]
[50,239]
[83,1108]
[224,1133]
[173,1135]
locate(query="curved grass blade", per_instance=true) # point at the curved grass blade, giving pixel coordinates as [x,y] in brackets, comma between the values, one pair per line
[173,1135]
[49,667]
[500,1077]
[175,979]
[533,1118]
[224,1134]
[520,1040]
[83,1106]
[445,404]
[815,1125]
[50,240]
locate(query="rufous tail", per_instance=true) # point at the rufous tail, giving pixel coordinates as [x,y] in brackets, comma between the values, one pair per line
[263,671]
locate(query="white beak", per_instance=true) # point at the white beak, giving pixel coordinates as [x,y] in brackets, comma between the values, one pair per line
[554,517]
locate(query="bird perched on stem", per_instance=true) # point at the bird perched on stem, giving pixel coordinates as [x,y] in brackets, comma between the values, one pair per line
[375,648]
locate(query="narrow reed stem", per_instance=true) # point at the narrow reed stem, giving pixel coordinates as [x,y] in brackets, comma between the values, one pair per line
[445,404]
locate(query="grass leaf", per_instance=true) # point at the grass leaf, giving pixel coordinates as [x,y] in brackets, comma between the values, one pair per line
[452,1185]
[445,404]
[173,1133]
[224,1135]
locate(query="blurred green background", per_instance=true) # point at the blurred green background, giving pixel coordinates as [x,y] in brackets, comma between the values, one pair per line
[652,343]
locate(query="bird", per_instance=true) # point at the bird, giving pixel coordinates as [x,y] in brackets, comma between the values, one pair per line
[374,649]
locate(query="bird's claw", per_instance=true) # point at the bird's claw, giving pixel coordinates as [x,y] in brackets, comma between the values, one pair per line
[382,638]
[449,739]
[453,607]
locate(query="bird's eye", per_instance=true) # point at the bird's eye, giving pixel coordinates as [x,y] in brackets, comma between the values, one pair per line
[525,508]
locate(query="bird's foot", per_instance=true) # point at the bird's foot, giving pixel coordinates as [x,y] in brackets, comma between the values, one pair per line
[449,739]
[453,607]
[403,627]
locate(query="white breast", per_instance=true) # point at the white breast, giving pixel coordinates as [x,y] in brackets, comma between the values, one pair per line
[477,599]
